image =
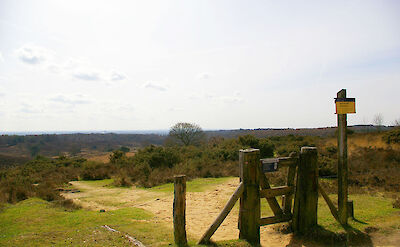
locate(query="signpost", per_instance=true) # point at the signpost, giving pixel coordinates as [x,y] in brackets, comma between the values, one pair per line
[343,107]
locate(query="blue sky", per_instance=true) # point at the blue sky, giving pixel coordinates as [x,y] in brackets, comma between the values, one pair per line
[123,65]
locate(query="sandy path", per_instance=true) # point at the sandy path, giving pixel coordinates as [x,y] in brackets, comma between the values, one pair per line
[202,208]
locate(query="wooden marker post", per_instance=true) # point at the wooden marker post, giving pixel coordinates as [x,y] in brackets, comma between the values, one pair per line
[342,162]
[306,197]
[179,210]
[249,214]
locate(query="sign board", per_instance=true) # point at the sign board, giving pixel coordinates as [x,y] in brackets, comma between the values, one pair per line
[269,165]
[345,105]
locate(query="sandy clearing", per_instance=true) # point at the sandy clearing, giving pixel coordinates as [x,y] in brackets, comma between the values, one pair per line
[202,208]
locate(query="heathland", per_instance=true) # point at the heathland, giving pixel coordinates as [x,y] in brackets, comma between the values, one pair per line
[52,187]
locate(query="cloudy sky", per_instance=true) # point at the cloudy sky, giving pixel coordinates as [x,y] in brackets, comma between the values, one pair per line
[140,65]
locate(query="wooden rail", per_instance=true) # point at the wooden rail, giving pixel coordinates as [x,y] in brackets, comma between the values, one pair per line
[276,191]
[273,203]
[275,219]
[228,207]
[332,207]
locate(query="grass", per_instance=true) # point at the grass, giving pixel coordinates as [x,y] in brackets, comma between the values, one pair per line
[104,182]
[35,222]
[369,211]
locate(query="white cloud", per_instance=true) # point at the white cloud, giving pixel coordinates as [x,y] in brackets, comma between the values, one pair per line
[33,55]
[115,76]
[1,57]
[204,76]
[71,100]
[156,86]
[87,75]
[79,68]
[29,109]
[231,99]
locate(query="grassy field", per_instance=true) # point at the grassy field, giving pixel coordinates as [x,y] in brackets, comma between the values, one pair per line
[35,222]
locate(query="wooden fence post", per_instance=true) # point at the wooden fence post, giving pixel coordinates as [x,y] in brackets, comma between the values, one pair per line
[179,210]
[342,163]
[249,214]
[306,197]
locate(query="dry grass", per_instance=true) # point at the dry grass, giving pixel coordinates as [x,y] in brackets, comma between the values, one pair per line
[103,157]
[364,140]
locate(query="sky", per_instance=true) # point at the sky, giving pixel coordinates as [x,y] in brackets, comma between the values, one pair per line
[226,64]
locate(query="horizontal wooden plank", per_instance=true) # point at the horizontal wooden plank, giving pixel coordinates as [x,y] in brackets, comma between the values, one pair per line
[275,219]
[276,191]
[287,161]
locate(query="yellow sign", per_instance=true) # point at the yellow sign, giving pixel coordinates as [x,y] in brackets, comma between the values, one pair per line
[345,105]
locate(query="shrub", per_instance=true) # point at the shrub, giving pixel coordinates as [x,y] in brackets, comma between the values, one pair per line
[392,137]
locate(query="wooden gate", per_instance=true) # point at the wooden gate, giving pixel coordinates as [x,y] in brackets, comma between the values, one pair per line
[253,186]
[284,213]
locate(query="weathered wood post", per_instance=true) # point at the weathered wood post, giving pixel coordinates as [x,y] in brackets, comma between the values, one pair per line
[249,214]
[179,210]
[342,163]
[306,197]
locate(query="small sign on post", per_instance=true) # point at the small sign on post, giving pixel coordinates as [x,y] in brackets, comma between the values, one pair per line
[345,105]
[269,165]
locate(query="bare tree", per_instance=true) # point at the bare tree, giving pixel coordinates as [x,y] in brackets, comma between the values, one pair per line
[396,122]
[187,133]
[378,119]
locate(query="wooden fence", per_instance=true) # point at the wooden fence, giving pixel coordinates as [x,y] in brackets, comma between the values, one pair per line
[254,185]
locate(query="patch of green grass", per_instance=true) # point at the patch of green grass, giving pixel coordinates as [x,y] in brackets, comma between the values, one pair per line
[368,211]
[35,222]
[195,185]
[99,183]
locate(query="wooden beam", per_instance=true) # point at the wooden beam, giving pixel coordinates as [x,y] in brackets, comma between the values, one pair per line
[179,210]
[228,207]
[342,163]
[275,219]
[287,205]
[332,207]
[276,191]
[250,211]
[273,203]
[306,197]
[287,161]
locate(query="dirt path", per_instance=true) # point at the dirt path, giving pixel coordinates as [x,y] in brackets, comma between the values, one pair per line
[202,208]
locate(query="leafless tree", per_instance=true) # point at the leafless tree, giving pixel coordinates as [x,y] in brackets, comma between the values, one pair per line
[187,133]
[378,119]
[396,122]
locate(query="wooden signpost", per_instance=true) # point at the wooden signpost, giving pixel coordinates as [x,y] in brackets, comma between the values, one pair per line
[343,107]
